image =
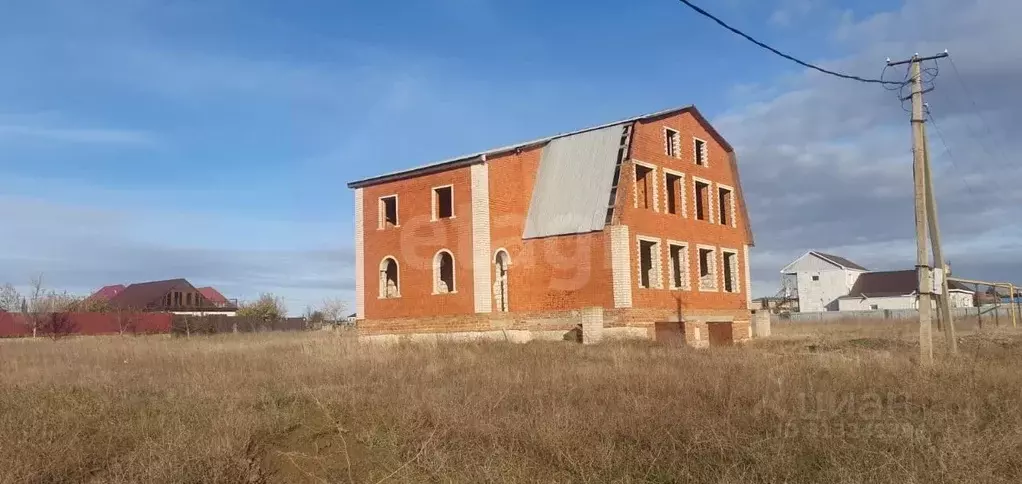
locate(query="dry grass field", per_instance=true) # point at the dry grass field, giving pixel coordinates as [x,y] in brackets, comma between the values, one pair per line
[829,402]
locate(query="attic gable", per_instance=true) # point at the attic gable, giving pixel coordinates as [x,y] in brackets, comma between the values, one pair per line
[818,261]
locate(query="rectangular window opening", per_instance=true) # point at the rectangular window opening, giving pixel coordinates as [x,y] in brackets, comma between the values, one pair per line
[700,152]
[646,261]
[679,266]
[730,272]
[671,142]
[816,278]
[444,197]
[673,191]
[707,271]
[724,200]
[702,200]
[388,211]
[643,188]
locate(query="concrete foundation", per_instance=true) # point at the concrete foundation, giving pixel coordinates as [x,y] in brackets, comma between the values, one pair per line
[588,326]
[761,324]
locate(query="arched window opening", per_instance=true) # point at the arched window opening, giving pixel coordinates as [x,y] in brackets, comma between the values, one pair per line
[500,287]
[443,273]
[389,283]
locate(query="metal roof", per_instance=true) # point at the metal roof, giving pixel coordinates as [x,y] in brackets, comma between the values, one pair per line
[576,174]
[479,157]
[840,261]
[892,283]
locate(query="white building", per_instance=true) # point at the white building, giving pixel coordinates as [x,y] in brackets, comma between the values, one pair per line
[896,290]
[818,280]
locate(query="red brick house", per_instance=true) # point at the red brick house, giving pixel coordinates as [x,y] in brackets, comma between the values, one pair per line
[173,295]
[623,225]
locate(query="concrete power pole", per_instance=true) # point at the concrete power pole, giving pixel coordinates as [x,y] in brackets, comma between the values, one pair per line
[919,170]
[944,298]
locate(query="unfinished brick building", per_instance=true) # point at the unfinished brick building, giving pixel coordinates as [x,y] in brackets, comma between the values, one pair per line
[629,228]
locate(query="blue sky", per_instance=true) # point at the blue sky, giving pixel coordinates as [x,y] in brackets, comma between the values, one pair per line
[147,139]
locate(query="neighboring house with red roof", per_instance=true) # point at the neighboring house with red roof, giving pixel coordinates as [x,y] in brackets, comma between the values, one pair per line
[107,293]
[176,296]
[215,297]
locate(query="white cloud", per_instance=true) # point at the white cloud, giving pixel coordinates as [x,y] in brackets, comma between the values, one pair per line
[76,135]
[826,165]
[80,248]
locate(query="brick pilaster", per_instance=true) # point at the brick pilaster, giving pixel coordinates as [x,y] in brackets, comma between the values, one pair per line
[621,265]
[481,266]
[360,286]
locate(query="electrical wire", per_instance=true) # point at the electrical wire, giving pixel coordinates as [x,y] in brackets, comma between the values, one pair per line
[979,114]
[720,22]
[947,150]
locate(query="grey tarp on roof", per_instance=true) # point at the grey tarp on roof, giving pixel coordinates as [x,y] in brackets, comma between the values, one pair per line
[573,184]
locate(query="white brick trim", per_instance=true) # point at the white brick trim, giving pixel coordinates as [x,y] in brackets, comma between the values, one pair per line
[735,273]
[686,266]
[748,280]
[381,215]
[621,265]
[481,267]
[706,152]
[709,198]
[731,203]
[434,214]
[715,272]
[674,140]
[360,296]
[656,281]
[682,207]
[654,185]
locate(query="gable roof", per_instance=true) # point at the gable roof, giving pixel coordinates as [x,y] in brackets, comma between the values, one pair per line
[834,260]
[480,157]
[892,283]
[138,296]
[840,261]
[107,292]
[212,295]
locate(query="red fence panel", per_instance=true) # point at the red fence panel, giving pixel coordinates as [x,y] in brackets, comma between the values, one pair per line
[16,325]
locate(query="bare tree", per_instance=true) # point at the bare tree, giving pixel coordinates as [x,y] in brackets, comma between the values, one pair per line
[10,299]
[314,319]
[35,296]
[333,310]
[127,320]
[57,325]
[42,303]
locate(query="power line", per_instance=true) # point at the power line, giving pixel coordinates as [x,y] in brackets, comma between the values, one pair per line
[947,150]
[982,119]
[972,98]
[720,22]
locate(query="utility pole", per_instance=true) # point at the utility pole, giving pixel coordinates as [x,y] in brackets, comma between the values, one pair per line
[944,298]
[919,177]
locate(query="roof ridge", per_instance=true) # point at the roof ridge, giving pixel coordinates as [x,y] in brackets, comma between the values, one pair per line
[475,157]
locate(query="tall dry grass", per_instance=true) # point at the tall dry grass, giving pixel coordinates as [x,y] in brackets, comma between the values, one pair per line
[816,403]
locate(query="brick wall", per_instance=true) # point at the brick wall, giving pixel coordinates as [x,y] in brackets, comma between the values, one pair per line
[648,147]
[551,273]
[415,242]
[556,273]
